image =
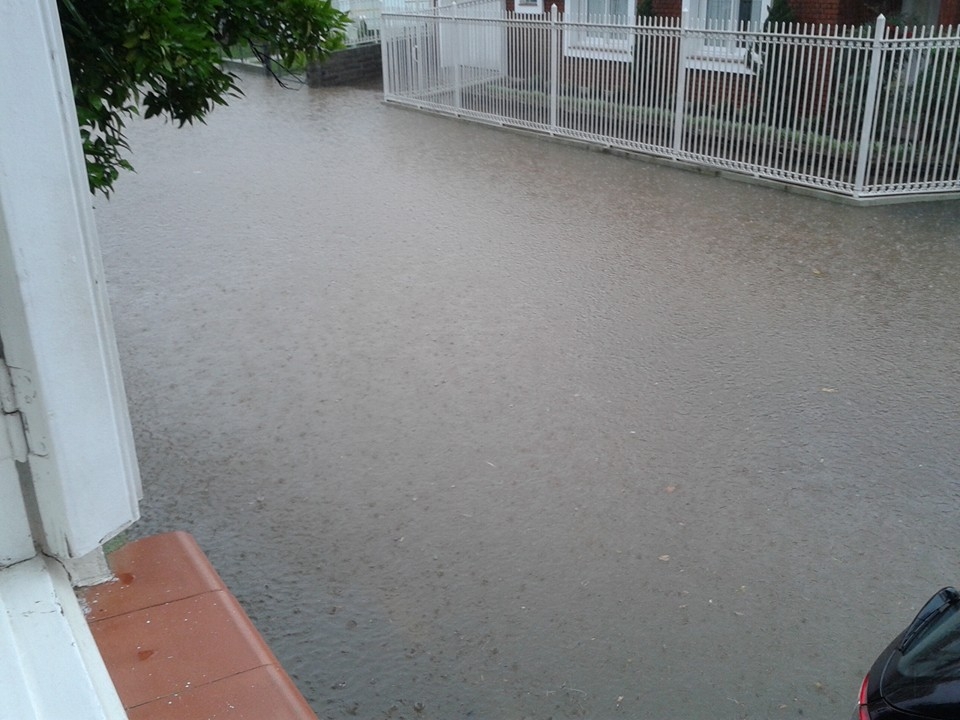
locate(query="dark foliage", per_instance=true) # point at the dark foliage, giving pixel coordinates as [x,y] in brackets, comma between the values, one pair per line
[163,58]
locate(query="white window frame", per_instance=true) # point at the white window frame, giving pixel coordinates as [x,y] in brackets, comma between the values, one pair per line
[725,56]
[577,41]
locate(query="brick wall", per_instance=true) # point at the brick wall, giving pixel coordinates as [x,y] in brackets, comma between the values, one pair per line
[950,12]
[347,67]
[828,12]
[667,8]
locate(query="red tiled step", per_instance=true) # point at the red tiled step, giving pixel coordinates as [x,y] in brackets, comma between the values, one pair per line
[260,694]
[178,645]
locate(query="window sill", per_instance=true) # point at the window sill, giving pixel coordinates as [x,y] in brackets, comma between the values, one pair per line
[599,52]
[735,67]
[735,61]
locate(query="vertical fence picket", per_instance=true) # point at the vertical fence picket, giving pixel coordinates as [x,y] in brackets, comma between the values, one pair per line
[385,64]
[827,111]
[870,106]
[932,70]
[949,147]
[554,69]
[681,83]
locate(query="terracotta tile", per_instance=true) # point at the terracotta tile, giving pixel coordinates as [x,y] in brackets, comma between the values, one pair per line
[265,693]
[177,643]
[150,572]
[166,649]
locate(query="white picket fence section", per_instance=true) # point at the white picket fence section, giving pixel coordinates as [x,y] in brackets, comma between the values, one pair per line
[864,113]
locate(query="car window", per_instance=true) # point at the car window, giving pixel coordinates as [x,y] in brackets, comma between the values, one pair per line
[935,654]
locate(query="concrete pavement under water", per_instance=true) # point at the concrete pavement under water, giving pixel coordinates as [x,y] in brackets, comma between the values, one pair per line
[479,425]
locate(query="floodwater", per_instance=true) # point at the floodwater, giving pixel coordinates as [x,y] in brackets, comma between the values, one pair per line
[479,425]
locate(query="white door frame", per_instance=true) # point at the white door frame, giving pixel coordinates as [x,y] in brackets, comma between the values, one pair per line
[83,485]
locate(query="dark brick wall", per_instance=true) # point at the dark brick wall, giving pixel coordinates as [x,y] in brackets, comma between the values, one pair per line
[949,12]
[347,67]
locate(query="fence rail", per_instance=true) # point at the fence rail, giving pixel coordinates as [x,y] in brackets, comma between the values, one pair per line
[864,113]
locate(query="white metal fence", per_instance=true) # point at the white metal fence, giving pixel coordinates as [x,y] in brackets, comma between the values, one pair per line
[364,27]
[859,112]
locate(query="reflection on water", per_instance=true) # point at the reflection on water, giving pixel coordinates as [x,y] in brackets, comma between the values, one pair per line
[479,425]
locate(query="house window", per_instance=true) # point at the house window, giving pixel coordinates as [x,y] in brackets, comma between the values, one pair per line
[920,12]
[730,13]
[722,52]
[530,7]
[606,32]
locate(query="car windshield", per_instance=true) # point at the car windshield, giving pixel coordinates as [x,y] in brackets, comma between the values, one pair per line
[935,653]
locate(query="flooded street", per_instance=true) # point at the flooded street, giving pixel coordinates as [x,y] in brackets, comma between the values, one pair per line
[478,425]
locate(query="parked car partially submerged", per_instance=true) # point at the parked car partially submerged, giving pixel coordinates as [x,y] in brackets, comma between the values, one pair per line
[918,676]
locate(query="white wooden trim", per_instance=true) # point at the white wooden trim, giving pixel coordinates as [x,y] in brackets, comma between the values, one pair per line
[54,319]
[16,542]
[51,665]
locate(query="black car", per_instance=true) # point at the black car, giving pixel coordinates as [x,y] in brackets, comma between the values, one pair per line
[918,676]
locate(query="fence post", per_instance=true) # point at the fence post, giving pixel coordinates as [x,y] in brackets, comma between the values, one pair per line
[554,68]
[870,107]
[458,37]
[385,58]
[681,94]
[419,81]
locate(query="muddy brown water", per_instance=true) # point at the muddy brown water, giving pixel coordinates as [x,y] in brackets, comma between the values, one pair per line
[478,425]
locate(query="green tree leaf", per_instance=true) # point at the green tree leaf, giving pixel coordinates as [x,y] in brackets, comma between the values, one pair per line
[164,56]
